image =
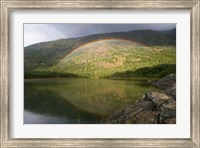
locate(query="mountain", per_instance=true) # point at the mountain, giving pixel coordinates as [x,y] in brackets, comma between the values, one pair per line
[171,33]
[100,55]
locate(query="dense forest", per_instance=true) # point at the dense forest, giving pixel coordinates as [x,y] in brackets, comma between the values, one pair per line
[142,53]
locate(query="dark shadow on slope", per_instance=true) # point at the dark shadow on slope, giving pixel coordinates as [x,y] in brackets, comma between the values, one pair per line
[157,71]
[48,74]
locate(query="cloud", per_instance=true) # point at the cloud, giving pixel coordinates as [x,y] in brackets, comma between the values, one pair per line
[35,33]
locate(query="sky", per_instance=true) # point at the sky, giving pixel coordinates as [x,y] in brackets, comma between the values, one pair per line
[36,33]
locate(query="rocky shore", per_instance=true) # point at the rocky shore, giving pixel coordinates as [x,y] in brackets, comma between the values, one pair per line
[155,107]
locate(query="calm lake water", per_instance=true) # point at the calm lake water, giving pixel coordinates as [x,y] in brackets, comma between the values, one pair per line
[70,101]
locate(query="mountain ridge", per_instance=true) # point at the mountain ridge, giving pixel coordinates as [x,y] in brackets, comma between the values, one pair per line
[172,31]
[45,55]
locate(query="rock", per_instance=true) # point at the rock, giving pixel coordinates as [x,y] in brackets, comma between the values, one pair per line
[166,82]
[139,106]
[147,96]
[165,116]
[170,121]
[171,92]
[169,105]
[145,117]
[131,111]
[155,107]
[118,118]
[158,98]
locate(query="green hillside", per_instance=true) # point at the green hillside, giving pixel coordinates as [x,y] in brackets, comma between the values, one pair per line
[125,54]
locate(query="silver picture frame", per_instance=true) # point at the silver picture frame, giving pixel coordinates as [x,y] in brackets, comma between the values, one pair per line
[7,6]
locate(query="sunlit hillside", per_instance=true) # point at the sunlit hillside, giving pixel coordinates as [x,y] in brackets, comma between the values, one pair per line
[97,56]
[108,57]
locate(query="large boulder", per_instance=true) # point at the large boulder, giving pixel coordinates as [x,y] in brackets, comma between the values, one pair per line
[158,98]
[145,117]
[130,112]
[139,106]
[170,121]
[167,117]
[166,82]
[169,105]
[171,92]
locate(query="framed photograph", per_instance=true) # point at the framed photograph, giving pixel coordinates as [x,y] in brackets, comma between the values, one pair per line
[100,74]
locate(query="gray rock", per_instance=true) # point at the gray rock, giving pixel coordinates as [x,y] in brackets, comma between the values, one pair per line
[171,92]
[155,107]
[145,117]
[166,82]
[169,105]
[170,121]
[158,98]
[165,116]
[140,106]
[131,111]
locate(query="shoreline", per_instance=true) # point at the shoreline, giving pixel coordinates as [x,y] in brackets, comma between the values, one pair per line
[136,78]
[155,107]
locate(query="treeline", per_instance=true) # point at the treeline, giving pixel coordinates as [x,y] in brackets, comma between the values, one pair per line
[157,71]
[43,74]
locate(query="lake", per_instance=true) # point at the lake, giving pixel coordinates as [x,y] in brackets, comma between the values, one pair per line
[83,101]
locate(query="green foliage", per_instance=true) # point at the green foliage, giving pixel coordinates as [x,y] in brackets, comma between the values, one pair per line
[46,74]
[157,71]
[102,59]
[120,59]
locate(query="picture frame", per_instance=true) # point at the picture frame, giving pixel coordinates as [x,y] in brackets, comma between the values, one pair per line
[194,7]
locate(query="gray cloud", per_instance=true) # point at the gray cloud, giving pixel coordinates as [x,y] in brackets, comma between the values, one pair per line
[34,33]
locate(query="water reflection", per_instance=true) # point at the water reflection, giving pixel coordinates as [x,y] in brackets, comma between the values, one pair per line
[78,100]
[32,118]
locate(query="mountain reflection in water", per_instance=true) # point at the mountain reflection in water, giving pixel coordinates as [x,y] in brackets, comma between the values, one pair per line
[71,101]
